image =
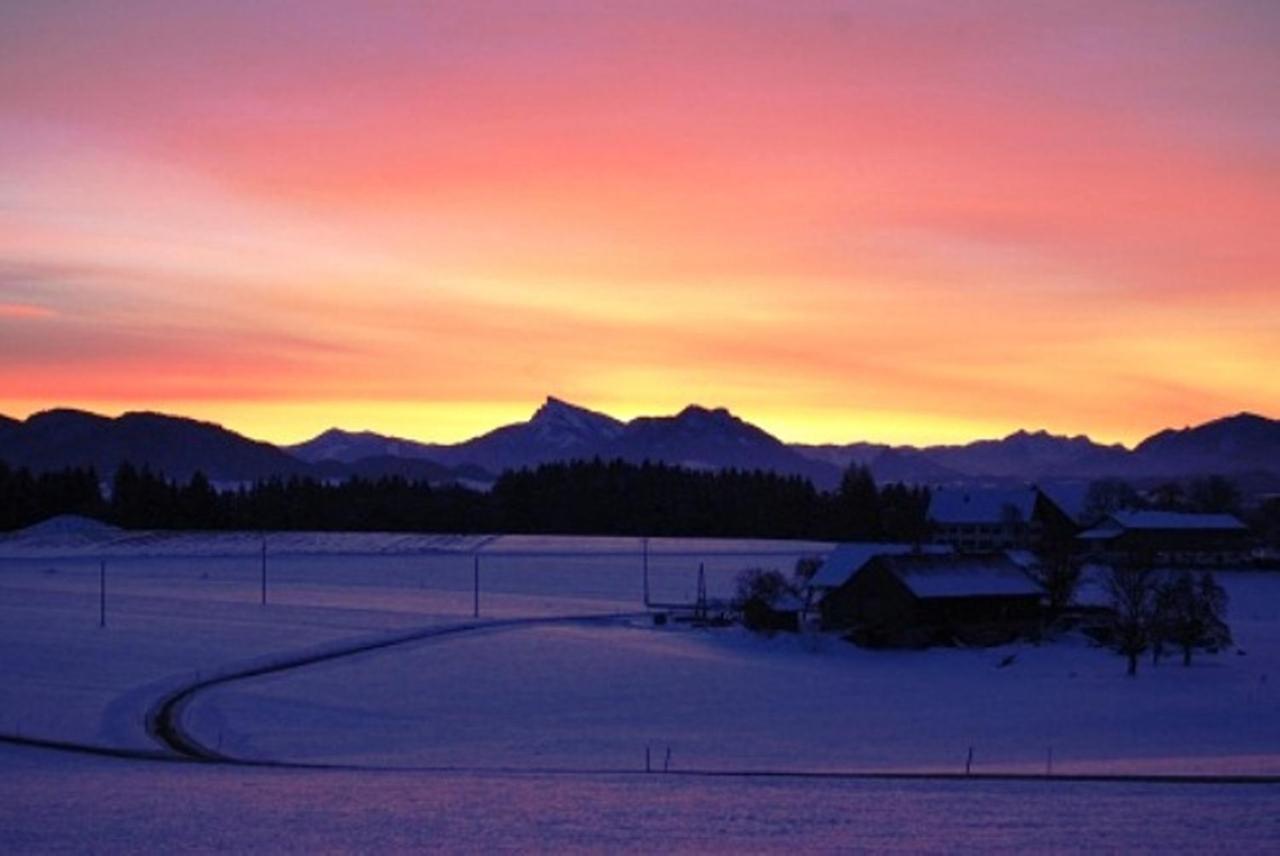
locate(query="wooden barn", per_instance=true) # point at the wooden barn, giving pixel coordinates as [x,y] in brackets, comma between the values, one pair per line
[1170,538]
[915,600]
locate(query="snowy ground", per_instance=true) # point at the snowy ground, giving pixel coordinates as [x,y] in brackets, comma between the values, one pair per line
[576,697]
[51,802]
[184,605]
[596,696]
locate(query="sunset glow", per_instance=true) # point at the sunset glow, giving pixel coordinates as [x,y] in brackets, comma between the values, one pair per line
[899,221]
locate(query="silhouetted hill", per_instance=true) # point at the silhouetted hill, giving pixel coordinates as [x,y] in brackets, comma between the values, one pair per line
[387,466]
[715,439]
[173,445]
[557,431]
[351,446]
[1032,455]
[1242,443]
[1246,446]
[697,437]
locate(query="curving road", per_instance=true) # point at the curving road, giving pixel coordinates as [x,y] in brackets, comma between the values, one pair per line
[164,720]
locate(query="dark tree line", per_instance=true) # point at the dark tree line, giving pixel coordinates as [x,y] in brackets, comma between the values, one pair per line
[1206,495]
[26,498]
[581,497]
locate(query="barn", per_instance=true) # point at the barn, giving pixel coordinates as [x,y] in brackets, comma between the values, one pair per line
[1170,538]
[919,599]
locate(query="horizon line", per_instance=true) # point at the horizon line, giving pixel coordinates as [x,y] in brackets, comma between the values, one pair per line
[116,413]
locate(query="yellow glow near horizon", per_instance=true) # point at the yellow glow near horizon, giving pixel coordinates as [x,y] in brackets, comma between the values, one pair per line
[842,221]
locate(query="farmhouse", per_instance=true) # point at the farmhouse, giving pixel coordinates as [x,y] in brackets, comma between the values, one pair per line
[917,599]
[986,519]
[1169,538]
[847,559]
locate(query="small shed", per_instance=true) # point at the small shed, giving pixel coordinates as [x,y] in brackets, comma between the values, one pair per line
[914,600]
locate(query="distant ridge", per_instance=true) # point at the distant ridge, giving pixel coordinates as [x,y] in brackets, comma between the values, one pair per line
[173,445]
[696,437]
[714,438]
[1245,445]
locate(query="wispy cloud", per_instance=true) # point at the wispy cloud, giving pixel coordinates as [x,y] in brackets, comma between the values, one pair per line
[919,219]
[24,311]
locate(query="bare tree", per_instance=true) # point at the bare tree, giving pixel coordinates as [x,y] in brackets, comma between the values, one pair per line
[757,592]
[1197,614]
[1058,571]
[1107,496]
[1132,588]
[806,567]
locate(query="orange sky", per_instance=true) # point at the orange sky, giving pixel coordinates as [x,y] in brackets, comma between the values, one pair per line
[903,221]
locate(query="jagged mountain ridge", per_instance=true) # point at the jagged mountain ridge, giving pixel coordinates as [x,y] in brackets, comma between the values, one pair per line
[699,437]
[696,437]
[714,438]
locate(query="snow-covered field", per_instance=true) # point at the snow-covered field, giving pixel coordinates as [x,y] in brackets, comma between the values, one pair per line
[546,726]
[595,696]
[51,802]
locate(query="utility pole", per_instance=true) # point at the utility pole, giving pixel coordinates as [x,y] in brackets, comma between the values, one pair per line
[102,593]
[645,567]
[700,608]
[264,570]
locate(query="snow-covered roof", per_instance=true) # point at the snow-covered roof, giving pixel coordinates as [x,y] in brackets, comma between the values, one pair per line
[981,505]
[1175,520]
[1070,497]
[961,575]
[1161,521]
[847,559]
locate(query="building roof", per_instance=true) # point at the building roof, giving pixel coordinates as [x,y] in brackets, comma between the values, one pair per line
[981,505]
[1176,520]
[847,559]
[962,575]
[1162,521]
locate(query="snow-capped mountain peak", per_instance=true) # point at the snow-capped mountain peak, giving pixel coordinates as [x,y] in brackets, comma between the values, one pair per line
[563,424]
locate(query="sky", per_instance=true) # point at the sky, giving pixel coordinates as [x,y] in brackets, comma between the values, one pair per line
[912,221]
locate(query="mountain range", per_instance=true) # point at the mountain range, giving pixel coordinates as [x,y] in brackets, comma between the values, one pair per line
[1246,446]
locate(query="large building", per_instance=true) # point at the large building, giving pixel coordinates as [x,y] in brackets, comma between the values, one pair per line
[916,599]
[986,519]
[1170,538]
